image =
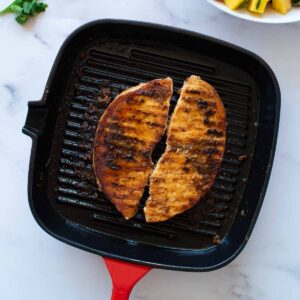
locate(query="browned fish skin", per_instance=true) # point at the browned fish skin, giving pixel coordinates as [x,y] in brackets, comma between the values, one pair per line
[195,148]
[126,135]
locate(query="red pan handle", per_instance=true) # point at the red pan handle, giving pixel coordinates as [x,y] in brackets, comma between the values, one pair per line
[124,276]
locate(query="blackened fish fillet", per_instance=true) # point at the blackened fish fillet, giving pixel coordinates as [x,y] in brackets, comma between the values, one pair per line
[126,135]
[195,147]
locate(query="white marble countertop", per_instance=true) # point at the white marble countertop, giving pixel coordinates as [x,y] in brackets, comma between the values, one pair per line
[35,266]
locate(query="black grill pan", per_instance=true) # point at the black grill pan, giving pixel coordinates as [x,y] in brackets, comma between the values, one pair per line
[96,63]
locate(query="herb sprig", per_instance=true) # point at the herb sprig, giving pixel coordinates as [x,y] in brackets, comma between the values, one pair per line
[24,9]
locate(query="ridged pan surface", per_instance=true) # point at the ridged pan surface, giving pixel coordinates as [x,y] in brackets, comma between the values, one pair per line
[100,61]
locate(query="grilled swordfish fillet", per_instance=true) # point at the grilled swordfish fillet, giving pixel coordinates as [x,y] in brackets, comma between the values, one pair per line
[126,135]
[195,147]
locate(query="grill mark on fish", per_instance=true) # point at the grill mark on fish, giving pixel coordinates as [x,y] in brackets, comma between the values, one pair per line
[202,104]
[215,132]
[155,91]
[136,101]
[112,165]
[211,151]
[123,138]
[194,143]
[210,112]
[208,122]
[158,113]
[154,124]
[193,91]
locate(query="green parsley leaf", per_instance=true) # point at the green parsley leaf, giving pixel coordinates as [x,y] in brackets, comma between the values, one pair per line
[25,9]
[22,19]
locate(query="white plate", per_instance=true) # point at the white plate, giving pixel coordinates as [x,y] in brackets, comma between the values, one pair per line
[270,16]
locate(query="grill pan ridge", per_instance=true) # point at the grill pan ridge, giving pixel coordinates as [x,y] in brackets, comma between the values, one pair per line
[95,64]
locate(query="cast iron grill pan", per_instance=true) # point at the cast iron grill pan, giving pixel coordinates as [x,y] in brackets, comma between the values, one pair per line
[97,63]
